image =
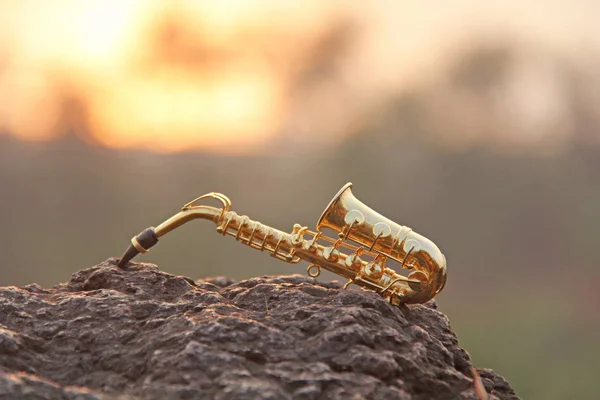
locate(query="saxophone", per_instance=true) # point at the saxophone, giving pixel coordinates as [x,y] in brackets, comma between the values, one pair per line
[377,242]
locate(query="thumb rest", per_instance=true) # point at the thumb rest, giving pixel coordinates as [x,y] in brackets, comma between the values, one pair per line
[364,264]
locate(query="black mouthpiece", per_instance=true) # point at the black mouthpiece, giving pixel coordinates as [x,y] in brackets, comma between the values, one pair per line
[127,256]
[139,244]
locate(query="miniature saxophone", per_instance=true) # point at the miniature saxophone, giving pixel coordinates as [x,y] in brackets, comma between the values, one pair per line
[377,240]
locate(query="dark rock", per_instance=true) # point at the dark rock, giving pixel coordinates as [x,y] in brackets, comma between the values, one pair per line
[141,333]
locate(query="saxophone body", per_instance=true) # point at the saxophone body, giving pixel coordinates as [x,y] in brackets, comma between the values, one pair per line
[365,245]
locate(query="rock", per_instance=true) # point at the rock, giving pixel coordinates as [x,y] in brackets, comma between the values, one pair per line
[141,333]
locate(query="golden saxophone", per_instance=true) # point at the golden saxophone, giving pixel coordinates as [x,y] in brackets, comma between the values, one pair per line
[364,264]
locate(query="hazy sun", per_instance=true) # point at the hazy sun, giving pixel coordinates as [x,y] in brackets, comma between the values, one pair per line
[139,86]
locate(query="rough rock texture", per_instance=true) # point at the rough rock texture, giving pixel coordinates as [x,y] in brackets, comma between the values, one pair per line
[144,334]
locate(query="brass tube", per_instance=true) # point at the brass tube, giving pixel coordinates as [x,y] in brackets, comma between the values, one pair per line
[198,212]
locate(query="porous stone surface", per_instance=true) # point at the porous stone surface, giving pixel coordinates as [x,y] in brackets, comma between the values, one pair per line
[141,333]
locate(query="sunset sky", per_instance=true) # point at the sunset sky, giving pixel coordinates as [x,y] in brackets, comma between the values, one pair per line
[228,75]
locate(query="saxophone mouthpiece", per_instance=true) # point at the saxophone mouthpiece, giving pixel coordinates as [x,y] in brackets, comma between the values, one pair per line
[139,244]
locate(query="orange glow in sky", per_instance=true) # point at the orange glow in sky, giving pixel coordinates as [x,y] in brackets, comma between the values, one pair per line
[227,75]
[100,53]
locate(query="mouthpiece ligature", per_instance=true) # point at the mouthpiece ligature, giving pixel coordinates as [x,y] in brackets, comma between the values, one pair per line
[375,240]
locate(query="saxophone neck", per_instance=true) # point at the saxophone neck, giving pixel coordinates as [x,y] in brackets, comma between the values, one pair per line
[142,242]
[186,215]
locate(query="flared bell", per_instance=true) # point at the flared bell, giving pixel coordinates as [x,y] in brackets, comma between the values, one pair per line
[355,221]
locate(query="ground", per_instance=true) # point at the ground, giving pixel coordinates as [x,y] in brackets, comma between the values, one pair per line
[141,333]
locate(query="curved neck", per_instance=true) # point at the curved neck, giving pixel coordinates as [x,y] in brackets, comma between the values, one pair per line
[142,242]
[202,212]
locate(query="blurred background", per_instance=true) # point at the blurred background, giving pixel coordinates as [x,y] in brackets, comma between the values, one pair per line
[478,125]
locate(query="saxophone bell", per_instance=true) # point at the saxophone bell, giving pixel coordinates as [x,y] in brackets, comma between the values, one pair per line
[355,221]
